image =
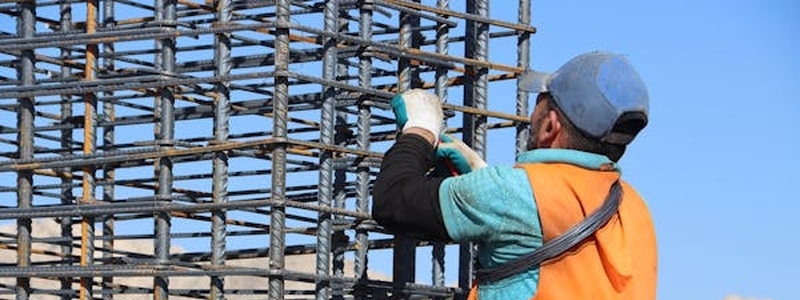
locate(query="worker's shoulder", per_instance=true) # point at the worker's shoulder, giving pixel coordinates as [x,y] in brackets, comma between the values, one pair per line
[501,173]
[496,178]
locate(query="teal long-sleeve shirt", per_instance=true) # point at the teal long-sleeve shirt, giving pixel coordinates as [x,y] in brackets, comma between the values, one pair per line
[495,208]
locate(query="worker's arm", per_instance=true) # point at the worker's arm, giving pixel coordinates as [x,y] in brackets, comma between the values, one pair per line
[404,198]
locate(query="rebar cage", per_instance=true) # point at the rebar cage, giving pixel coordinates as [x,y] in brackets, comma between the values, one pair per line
[226,149]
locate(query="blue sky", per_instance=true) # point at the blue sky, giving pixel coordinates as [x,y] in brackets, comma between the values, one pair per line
[717,161]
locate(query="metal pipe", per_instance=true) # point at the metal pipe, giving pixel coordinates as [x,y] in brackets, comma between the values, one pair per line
[164,12]
[416,12]
[327,127]
[410,52]
[135,83]
[476,36]
[481,87]
[26,26]
[442,36]
[342,135]
[121,35]
[477,125]
[475,86]
[109,172]
[280,119]
[149,270]
[67,196]
[222,109]
[363,143]
[404,252]
[149,153]
[523,61]
[466,16]
[139,83]
[139,206]
[89,142]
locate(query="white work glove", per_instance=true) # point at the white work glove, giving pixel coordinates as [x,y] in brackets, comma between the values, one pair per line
[418,108]
[453,158]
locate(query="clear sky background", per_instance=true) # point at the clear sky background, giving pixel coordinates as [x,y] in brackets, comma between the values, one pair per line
[718,161]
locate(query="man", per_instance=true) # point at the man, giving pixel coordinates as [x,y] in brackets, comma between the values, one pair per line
[586,113]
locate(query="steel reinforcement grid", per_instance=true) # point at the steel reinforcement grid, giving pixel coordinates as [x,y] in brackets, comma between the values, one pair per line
[226,149]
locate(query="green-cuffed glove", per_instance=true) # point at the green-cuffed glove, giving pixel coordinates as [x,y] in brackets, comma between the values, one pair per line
[418,108]
[453,157]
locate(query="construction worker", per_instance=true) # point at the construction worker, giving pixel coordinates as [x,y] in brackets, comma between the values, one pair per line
[586,113]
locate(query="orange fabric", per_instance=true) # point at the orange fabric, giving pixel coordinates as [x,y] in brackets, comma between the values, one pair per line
[473,292]
[619,262]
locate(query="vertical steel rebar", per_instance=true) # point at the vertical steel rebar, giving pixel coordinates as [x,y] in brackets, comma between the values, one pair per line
[277,233]
[478,128]
[222,59]
[158,14]
[339,239]
[363,142]
[442,48]
[481,88]
[327,127]
[476,47]
[523,60]
[165,12]
[109,115]
[66,146]
[26,27]
[479,50]
[404,260]
[442,36]
[89,144]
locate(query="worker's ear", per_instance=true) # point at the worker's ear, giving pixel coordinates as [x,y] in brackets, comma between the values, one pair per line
[550,129]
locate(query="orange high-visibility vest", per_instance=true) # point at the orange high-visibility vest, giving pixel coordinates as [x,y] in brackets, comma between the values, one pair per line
[618,262]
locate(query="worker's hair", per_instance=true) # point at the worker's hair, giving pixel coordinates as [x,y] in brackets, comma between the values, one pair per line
[577,140]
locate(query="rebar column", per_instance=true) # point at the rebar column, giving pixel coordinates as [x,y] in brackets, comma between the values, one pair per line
[165,14]
[109,116]
[442,35]
[66,149]
[277,233]
[363,142]
[89,144]
[475,94]
[339,240]
[25,114]
[327,127]
[404,267]
[523,60]
[222,59]
[475,91]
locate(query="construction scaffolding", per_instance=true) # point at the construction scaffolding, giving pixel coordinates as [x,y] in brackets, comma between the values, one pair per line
[191,149]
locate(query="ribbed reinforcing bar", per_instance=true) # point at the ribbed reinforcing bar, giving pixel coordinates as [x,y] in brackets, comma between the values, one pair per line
[191,149]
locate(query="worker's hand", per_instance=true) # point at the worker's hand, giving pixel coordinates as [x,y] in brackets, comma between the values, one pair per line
[421,109]
[453,157]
